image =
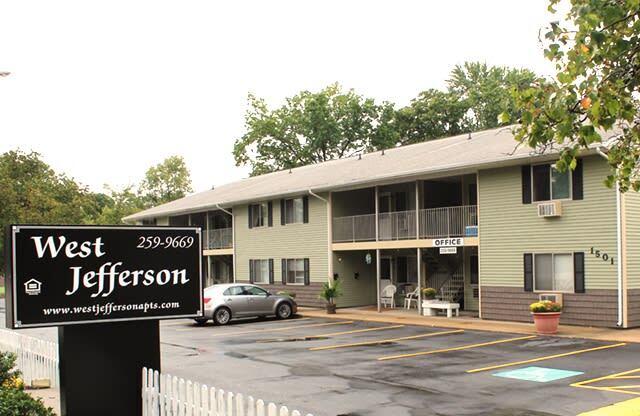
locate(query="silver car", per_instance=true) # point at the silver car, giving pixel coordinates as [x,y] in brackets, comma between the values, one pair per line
[227,301]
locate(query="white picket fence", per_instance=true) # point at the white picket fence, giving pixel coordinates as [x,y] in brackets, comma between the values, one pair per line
[37,358]
[166,395]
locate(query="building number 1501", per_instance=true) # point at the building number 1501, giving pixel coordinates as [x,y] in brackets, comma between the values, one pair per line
[600,254]
[181,241]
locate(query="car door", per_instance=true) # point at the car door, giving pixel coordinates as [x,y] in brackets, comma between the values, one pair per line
[259,301]
[235,299]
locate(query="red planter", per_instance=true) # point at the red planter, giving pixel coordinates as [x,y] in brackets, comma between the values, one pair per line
[546,322]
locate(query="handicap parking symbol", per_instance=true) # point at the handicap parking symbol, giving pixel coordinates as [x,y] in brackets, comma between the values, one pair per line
[538,374]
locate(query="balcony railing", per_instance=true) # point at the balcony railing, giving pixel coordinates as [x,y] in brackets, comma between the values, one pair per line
[354,228]
[448,222]
[459,221]
[399,225]
[218,238]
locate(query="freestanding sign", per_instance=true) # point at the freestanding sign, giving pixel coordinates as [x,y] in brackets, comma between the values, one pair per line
[115,281]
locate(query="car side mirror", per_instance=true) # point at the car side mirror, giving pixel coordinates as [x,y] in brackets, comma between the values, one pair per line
[269,294]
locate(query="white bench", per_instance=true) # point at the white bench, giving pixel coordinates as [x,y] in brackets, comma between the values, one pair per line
[429,307]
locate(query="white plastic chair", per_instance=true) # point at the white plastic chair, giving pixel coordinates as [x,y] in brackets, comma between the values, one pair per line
[388,296]
[411,297]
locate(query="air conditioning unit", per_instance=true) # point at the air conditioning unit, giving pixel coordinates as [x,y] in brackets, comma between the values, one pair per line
[553,297]
[550,209]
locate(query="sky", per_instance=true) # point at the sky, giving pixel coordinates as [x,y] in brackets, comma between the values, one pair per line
[105,89]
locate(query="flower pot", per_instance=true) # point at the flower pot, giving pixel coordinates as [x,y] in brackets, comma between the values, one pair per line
[546,322]
[331,308]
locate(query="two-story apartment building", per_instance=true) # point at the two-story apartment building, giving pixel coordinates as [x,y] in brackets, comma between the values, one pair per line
[485,223]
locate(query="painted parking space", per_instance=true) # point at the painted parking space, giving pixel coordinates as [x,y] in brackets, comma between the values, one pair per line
[627,382]
[338,367]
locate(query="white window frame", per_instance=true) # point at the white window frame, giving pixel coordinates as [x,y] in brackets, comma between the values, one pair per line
[286,211]
[295,283]
[553,272]
[551,198]
[257,269]
[264,214]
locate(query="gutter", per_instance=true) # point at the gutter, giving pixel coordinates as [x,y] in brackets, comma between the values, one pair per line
[317,196]
[618,248]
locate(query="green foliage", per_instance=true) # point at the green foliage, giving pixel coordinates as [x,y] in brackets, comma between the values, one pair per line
[594,95]
[166,181]
[330,291]
[119,205]
[17,402]
[8,370]
[286,293]
[429,293]
[312,127]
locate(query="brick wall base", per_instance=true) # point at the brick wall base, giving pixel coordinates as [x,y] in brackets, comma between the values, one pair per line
[305,295]
[596,307]
[633,308]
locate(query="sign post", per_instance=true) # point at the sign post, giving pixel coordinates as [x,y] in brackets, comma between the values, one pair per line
[106,289]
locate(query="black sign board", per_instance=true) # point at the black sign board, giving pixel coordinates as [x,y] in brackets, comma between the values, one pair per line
[61,275]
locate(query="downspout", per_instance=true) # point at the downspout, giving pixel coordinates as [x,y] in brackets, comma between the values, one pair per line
[329,234]
[618,248]
[233,238]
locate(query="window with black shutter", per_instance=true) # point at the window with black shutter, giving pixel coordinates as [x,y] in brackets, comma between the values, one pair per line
[528,272]
[576,181]
[578,272]
[271,279]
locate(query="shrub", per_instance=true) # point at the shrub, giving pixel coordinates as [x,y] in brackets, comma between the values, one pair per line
[330,291]
[545,306]
[8,371]
[429,293]
[17,402]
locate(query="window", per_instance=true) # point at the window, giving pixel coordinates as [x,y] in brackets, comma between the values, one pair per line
[553,272]
[259,214]
[293,211]
[234,291]
[255,291]
[548,183]
[259,270]
[295,271]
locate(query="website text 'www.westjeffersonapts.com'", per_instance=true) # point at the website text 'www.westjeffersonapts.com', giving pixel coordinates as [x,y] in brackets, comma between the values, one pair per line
[109,308]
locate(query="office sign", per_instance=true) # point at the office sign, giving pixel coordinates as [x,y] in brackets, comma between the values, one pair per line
[448,250]
[60,275]
[448,242]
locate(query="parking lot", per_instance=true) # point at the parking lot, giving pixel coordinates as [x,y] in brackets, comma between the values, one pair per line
[339,367]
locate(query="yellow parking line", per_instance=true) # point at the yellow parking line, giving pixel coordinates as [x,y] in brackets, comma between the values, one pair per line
[464,347]
[190,327]
[618,389]
[383,341]
[286,328]
[625,408]
[356,331]
[548,357]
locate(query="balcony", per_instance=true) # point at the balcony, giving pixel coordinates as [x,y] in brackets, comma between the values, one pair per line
[218,238]
[433,223]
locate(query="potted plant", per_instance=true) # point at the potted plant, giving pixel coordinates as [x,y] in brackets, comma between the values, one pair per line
[546,316]
[330,291]
[428,293]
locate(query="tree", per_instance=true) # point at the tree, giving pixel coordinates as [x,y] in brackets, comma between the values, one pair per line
[119,204]
[476,94]
[486,92]
[33,193]
[594,95]
[313,127]
[165,182]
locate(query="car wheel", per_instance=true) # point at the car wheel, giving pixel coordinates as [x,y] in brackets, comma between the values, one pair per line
[222,316]
[283,311]
[201,321]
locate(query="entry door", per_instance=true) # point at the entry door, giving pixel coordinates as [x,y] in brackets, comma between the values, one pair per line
[259,300]
[235,298]
[386,269]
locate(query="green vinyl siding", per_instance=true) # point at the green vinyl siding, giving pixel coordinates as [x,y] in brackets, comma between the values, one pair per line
[509,228]
[290,241]
[358,291]
[632,216]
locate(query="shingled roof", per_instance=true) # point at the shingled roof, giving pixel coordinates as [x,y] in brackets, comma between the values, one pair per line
[441,157]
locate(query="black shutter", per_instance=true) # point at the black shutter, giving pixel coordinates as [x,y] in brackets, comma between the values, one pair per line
[252,271]
[283,265]
[271,271]
[250,216]
[576,180]
[270,213]
[305,209]
[528,272]
[282,212]
[306,272]
[526,184]
[578,272]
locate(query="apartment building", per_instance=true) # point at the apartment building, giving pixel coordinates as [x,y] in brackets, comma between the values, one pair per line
[487,224]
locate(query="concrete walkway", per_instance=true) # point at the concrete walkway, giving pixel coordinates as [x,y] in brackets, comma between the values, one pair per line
[402,316]
[50,397]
